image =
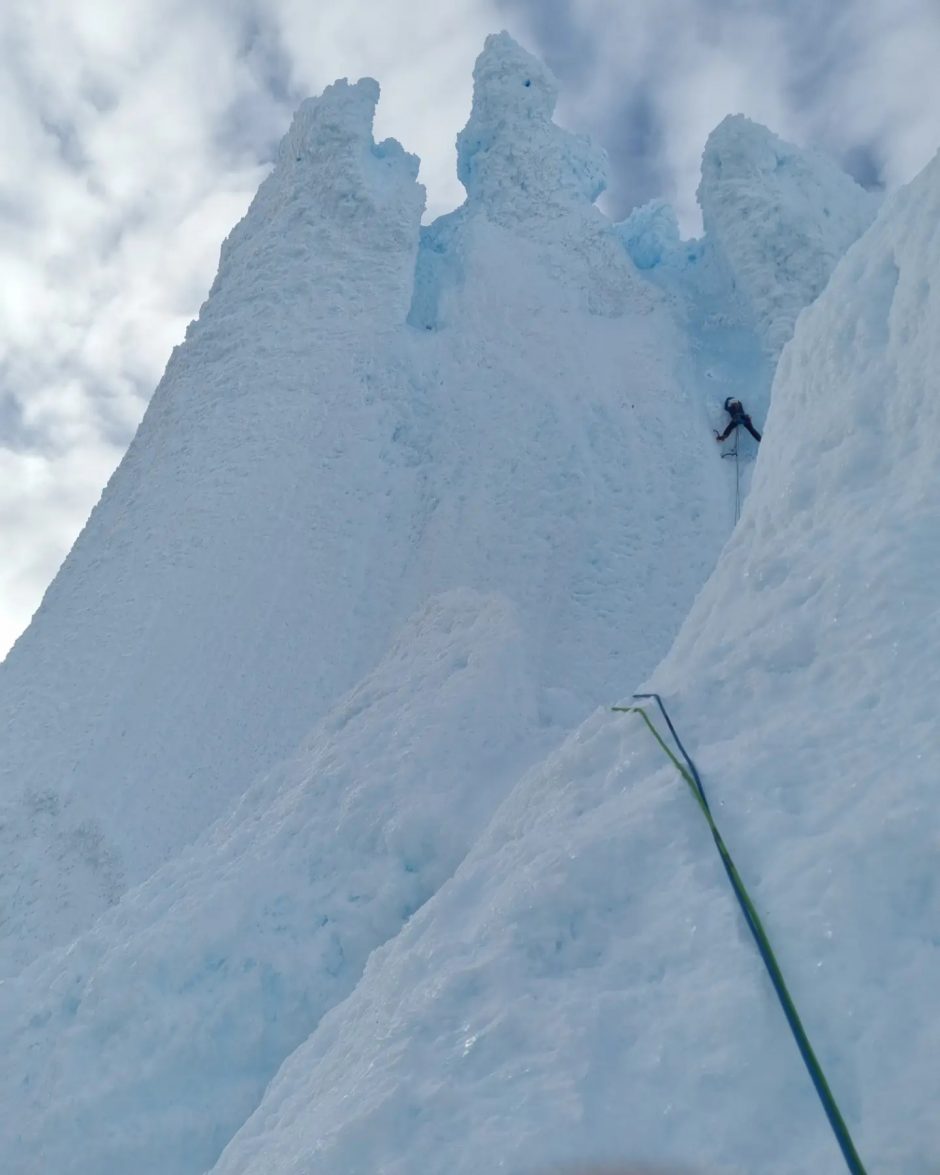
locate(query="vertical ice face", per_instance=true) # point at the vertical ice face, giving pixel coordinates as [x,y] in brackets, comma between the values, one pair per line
[831,673]
[557,365]
[650,235]
[781,216]
[189,640]
[311,470]
[777,219]
[848,473]
[223,962]
[543,1007]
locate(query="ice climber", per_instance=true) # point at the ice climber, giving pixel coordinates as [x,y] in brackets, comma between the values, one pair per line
[735,410]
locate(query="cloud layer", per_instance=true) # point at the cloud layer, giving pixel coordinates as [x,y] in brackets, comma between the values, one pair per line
[856,78]
[135,136]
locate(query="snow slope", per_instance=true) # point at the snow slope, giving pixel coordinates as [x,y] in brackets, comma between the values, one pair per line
[146,1044]
[584,987]
[313,468]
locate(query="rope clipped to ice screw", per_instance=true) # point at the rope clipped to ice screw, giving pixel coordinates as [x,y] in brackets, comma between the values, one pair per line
[690,774]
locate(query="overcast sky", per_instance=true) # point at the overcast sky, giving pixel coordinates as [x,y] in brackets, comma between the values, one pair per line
[134,133]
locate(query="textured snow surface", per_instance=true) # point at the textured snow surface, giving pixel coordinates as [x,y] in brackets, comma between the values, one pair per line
[309,705]
[584,987]
[223,962]
[312,469]
[188,642]
[777,219]
[781,216]
[513,162]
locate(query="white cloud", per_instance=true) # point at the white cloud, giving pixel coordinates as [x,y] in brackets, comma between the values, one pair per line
[888,90]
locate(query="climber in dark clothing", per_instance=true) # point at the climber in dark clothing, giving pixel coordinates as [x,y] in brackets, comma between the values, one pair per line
[735,410]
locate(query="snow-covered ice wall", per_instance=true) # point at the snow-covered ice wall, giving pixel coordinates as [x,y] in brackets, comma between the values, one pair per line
[809,212]
[407,504]
[584,988]
[189,640]
[313,468]
[190,993]
[777,218]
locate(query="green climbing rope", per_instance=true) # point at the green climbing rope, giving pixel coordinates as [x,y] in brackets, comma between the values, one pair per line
[691,776]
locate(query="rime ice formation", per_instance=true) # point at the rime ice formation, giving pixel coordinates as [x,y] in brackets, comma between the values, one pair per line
[777,219]
[221,964]
[531,188]
[515,164]
[781,216]
[583,989]
[313,468]
[187,643]
[314,857]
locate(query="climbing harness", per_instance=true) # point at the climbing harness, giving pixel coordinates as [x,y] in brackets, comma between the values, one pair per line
[689,773]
